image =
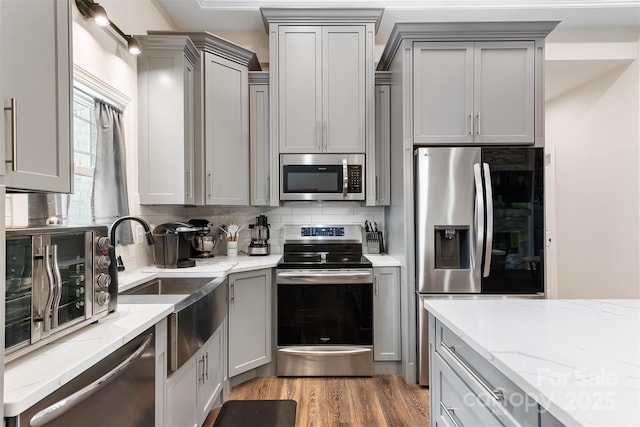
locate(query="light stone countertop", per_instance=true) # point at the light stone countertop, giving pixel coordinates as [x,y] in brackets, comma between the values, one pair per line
[580,359]
[30,378]
[379,260]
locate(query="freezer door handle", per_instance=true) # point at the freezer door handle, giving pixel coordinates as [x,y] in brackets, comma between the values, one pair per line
[489,209]
[480,211]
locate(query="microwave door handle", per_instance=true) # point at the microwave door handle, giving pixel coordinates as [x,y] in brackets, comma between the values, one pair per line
[345,178]
[489,209]
[52,288]
[58,296]
[54,411]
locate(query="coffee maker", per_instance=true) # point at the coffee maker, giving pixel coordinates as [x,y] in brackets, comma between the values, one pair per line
[173,245]
[259,237]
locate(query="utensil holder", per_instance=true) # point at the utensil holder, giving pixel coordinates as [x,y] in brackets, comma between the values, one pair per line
[375,243]
[232,248]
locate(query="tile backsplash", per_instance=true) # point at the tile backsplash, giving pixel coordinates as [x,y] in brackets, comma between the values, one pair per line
[140,255]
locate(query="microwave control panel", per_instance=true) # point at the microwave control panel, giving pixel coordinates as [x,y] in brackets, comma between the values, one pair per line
[355,178]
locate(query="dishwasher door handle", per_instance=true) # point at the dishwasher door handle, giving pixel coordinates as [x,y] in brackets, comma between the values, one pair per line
[54,411]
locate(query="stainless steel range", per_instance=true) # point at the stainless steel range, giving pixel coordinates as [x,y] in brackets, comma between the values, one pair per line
[325,303]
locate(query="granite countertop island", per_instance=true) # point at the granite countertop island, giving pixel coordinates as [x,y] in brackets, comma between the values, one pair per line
[580,359]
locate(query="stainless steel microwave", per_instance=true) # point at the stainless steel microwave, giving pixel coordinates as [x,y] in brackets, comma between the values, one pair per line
[322,177]
[57,281]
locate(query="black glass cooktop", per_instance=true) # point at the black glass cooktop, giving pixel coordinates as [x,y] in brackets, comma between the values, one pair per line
[323,256]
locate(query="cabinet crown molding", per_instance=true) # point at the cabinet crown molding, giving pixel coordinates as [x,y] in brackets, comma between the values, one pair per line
[461,31]
[259,78]
[169,42]
[309,16]
[208,42]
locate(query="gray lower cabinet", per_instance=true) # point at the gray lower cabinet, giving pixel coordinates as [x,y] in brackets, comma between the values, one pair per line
[467,390]
[193,389]
[166,117]
[249,320]
[35,89]
[259,147]
[386,314]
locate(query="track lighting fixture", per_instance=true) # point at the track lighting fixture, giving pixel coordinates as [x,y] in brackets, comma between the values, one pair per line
[91,10]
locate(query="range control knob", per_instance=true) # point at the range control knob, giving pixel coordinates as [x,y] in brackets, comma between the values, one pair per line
[103,261]
[103,243]
[103,298]
[103,281]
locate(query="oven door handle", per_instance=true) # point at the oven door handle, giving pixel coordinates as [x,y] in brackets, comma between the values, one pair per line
[58,296]
[309,277]
[54,411]
[325,351]
[47,315]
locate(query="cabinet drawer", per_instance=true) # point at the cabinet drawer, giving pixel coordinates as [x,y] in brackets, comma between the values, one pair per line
[511,405]
[456,404]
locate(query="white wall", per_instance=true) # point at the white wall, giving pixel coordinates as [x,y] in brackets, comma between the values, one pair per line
[593,130]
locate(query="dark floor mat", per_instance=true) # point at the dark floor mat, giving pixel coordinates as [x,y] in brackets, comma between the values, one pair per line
[254,413]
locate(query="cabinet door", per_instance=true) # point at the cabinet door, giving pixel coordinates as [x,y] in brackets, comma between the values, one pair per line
[181,396]
[383,145]
[300,89]
[344,86]
[37,132]
[386,313]
[209,375]
[259,144]
[165,128]
[504,92]
[249,320]
[226,132]
[443,92]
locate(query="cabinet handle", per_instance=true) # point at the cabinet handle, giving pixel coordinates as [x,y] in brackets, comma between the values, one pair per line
[497,395]
[232,295]
[324,135]
[201,363]
[267,194]
[451,414]
[206,366]
[189,184]
[375,285]
[210,183]
[318,137]
[470,124]
[377,188]
[478,123]
[14,134]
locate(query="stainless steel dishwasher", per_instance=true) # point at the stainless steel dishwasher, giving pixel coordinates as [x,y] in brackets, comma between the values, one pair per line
[117,391]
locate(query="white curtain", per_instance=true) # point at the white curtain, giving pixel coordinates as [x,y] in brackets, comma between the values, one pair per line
[109,199]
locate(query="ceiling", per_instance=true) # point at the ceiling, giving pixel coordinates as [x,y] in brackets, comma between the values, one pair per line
[244,15]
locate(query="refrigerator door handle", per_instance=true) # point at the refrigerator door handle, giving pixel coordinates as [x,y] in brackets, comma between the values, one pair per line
[489,209]
[480,211]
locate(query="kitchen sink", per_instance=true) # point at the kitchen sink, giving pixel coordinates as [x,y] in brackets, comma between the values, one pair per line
[199,308]
[170,286]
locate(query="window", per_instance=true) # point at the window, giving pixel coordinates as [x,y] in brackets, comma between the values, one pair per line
[84,150]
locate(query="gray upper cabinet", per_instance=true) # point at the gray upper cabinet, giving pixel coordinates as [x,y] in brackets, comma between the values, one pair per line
[220,119]
[474,92]
[322,86]
[259,152]
[382,176]
[166,123]
[35,88]
[469,82]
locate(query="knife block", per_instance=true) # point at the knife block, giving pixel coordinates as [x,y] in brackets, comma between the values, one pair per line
[374,242]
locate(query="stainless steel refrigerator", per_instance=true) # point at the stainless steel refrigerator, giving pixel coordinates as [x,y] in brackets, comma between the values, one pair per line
[479,221]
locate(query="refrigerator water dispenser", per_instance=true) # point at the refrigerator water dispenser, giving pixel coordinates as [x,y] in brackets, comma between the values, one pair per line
[452,247]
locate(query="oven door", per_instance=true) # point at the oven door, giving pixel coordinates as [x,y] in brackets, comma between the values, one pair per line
[325,322]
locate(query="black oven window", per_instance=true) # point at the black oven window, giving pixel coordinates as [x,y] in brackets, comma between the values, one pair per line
[325,314]
[313,179]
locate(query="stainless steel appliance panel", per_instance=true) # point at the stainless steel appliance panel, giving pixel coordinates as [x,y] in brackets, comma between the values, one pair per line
[329,361]
[117,391]
[448,204]
[322,177]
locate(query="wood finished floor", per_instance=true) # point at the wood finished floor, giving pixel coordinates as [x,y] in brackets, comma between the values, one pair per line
[382,400]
